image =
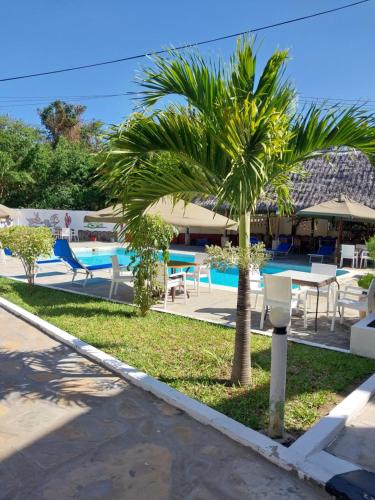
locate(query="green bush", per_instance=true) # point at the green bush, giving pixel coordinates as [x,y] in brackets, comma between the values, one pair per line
[27,243]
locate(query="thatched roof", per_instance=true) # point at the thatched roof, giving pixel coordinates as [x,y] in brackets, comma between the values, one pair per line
[349,173]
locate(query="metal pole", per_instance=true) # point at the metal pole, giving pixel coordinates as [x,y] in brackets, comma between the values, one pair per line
[280,319]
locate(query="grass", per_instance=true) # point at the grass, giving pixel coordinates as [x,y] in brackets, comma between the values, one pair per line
[195,357]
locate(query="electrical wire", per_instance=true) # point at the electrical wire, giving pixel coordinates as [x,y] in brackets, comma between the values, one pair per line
[182,47]
[26,101]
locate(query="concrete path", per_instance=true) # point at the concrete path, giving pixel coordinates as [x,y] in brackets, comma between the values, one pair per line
[70,429]
[356,443]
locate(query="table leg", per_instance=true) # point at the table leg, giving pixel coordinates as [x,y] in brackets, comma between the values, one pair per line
[317,307]
[173,293]
[338,289]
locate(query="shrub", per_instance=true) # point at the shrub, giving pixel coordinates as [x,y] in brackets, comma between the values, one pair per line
[151,235]
[27,243]
[365,280]
[221,258]
[370,244]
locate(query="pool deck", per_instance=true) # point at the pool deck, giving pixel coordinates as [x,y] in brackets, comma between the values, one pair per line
[219,306]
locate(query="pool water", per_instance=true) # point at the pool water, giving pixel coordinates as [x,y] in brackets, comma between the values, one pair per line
[227,278]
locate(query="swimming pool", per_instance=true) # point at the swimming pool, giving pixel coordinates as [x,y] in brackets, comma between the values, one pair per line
[227,278]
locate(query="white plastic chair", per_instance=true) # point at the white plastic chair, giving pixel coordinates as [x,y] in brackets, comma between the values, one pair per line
[119,275]
[364,301]
[278,292]
[325,291]
[350,253]
[202,269]
[74,235]
[256,281]
[65,233]
[365,257]
[169,281]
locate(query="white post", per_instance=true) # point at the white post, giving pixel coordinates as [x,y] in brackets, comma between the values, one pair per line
[280,319]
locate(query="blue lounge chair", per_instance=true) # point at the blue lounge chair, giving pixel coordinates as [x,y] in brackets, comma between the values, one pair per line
[324,251]
[254,240]
[282,250]
[62,250]
[43,261]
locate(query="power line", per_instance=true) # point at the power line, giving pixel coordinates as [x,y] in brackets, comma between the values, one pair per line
[359,100]
[26,101]
[189,45]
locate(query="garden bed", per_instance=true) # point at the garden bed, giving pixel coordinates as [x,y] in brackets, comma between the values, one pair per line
[194,357]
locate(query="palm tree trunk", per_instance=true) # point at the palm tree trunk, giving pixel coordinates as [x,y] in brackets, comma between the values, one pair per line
[241,370]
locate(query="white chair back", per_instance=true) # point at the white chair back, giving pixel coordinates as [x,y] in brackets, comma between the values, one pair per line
[255,279]
[200,259]
[278,289]
[326,269]
[371,297]
[115,266]
[65,233]
[347,251]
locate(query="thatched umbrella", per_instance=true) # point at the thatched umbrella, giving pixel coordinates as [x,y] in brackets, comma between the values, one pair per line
[178,214]
[6,212]
[341,209]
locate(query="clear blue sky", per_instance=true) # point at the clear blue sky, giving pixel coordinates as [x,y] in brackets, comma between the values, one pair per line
[331,56]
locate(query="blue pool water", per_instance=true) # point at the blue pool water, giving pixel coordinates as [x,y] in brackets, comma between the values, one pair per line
[227,278]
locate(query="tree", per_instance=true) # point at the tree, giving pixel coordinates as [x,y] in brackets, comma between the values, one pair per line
[148,238]
[91,133]
[232,134]
[16,140]
[27,243]
[62,120]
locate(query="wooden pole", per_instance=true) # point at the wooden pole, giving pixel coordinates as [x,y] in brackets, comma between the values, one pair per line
[339,240]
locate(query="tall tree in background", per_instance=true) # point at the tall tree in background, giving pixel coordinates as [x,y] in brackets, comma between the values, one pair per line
[91,133]
[33,173]
[232,134]
[62,119]
[16,140]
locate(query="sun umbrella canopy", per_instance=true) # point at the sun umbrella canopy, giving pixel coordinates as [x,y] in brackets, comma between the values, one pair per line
[6,212]
[179,214]
[341,208]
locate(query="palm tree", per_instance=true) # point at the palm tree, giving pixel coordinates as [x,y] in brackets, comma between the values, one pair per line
[229,134]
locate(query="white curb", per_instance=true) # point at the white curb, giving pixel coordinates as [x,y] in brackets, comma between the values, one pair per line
[263,445]
[324,431]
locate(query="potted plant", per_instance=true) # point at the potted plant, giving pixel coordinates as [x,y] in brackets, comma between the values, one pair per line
[365,280]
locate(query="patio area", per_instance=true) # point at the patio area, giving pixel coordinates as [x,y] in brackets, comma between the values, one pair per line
[219,306]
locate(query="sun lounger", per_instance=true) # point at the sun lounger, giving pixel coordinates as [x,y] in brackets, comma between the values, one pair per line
[282,250]
[63,250]
[324,251]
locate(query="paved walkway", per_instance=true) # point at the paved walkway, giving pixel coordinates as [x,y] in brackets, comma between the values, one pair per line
[356,443]
[218,306]
[71,429]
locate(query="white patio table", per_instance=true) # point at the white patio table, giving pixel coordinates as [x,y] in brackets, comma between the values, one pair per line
[310,279]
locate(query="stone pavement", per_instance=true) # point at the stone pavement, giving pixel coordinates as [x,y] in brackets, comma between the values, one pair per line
[71,429]
[218,306]
[356,443]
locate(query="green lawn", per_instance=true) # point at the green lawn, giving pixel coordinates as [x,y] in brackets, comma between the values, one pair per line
[194,357]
